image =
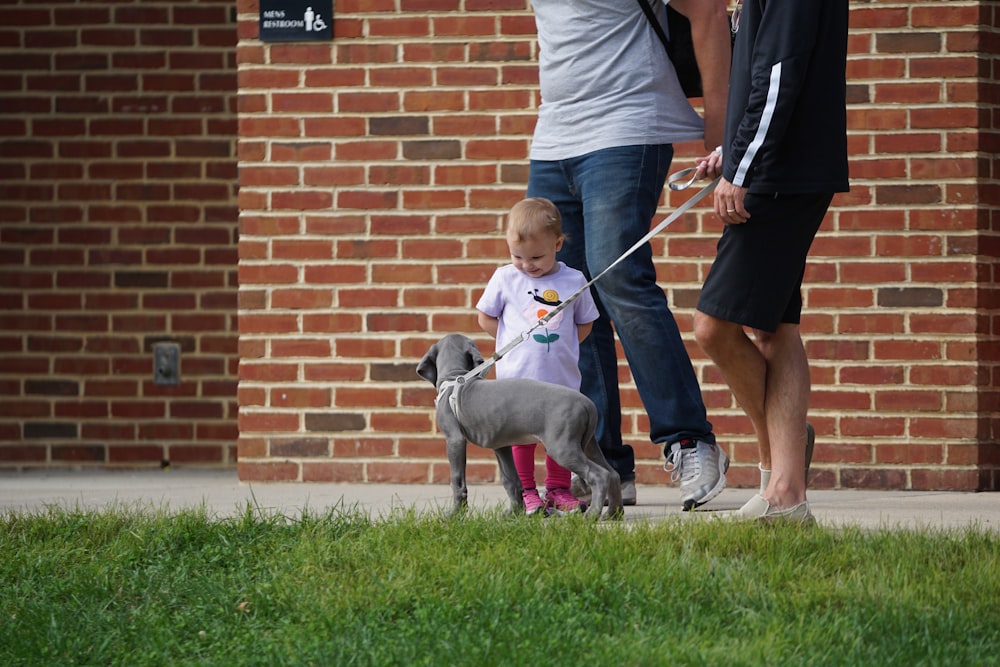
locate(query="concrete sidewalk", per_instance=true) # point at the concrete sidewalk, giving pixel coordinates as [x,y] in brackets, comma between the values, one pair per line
[224,495]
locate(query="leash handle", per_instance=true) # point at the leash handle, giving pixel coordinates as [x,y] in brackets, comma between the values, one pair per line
[676,182]
[484,367]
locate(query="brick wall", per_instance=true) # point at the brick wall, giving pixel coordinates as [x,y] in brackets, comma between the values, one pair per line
[376,170]
[117,231]
[375,173]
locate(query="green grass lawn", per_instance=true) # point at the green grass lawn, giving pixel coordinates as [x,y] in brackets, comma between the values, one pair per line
[134,587]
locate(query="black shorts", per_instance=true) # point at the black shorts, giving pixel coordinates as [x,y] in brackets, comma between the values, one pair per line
[756,279]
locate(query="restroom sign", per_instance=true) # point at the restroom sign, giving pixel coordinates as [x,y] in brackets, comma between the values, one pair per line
[296,20]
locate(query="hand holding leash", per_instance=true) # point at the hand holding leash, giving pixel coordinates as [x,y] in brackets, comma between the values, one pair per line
[709,166]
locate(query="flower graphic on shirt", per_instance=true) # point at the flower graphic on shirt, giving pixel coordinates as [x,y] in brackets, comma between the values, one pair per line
[546,340]
[533,313]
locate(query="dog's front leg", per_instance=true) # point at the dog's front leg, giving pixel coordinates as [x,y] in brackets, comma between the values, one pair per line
[457,462]
[508,475]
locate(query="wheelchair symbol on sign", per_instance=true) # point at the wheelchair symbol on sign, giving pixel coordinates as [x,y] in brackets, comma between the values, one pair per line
[313,20]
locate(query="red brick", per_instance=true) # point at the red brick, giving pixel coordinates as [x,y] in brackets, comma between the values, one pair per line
[301,299]
[333,472]
[364,397]
[224,431]
[249,448]
[301,102]
[399,423]
[407,473]
[331,323]
[332,372]
[268,422]
[268,371]
[440,100]
[269,274]
[944,428]
[907,349]
[300,348]
[285,397]
[195,454]
[944,479]
[959,454]
[264,471]
[301,54]
[873,478]
[362,447]
[873,426]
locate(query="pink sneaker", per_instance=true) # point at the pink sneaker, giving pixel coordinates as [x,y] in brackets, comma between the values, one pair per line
[533,503]
[563,501]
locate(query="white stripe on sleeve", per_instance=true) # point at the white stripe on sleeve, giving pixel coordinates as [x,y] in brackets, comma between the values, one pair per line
[765,123]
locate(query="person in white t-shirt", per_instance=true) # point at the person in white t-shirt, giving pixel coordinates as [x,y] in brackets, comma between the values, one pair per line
[517,296]
[611,110]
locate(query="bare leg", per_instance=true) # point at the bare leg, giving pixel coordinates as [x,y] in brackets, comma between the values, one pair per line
[786,405]
[744,369]
[770,381]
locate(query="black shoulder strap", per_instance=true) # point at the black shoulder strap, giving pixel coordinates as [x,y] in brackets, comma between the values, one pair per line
[648,11]
[679,48]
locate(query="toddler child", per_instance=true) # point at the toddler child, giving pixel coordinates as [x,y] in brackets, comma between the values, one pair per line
[516,297]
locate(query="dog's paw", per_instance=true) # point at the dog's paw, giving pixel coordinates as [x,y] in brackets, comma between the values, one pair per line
[615,515]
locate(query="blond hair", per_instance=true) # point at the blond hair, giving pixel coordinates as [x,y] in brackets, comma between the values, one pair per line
[532,217]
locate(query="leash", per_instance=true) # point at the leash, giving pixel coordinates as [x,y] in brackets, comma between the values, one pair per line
[676,184]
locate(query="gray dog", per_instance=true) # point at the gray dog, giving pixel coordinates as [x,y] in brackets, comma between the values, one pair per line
[499,413]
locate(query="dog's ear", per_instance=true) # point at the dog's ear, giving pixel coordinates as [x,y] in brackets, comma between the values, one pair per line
[474,354]
[427,368]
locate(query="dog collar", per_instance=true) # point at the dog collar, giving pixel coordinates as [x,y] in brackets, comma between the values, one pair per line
[455,386]
[445,386]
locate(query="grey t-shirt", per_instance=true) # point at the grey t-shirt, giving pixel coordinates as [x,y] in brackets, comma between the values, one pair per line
[606,80]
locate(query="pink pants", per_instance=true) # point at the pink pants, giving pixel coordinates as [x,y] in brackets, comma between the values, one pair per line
[556,477]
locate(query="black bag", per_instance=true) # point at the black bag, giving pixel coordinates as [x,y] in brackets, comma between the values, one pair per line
[680,47]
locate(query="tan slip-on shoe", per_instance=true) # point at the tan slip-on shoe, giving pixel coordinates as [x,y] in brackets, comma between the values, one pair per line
[758,509]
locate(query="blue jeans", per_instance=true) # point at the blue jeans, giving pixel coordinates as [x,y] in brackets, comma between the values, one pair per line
[607,200]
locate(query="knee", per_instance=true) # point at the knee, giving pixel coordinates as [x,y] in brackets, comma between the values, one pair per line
[782,341]
[716,337]
[764,340]
[706,331]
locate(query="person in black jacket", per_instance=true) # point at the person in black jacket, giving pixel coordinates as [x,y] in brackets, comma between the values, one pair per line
[784,157]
